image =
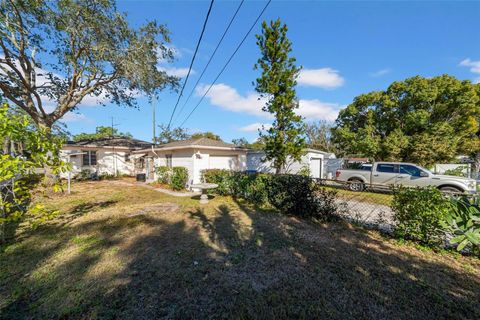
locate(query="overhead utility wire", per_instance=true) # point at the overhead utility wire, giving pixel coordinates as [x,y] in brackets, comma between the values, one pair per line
[191,63]
[226,64]
[211,57]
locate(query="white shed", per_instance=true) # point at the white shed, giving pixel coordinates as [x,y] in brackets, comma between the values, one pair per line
[313,160]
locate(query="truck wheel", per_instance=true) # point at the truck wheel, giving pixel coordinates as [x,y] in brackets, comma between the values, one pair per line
[356,185]
[450,190]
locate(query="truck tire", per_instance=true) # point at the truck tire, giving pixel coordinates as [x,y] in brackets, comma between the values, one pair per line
[356,185]
[450,189]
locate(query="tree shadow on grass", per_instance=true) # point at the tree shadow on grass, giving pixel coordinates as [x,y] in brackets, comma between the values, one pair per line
[229,261]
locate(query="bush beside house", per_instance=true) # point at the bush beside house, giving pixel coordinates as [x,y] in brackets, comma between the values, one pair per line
[176,177]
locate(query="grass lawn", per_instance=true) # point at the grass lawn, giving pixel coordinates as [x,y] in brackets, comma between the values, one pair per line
[118,251]
[372,197]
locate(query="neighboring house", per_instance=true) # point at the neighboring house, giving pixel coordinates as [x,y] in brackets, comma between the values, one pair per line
[317,162]
[104,156]
[195,155]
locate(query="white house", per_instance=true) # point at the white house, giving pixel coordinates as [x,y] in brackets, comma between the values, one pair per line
[316,161]
[107,155]
[195,155]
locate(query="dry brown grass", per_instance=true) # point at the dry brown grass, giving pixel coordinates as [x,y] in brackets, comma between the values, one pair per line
[115,253]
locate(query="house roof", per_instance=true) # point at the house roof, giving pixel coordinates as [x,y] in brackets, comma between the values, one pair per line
[124,142]
[203,143]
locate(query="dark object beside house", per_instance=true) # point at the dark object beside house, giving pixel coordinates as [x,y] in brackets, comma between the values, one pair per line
[141,177]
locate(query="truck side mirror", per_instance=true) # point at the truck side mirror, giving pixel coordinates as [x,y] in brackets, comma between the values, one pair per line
[423,174]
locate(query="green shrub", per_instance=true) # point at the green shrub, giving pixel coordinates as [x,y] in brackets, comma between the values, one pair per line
[164,174]
[83,175]
[179,178]
[463,223]
[222,177]
[300,196]
[419,213]
[458,171]
[250,186]
[106,176]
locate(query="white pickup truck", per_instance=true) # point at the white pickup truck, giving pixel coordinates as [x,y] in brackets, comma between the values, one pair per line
[384,174]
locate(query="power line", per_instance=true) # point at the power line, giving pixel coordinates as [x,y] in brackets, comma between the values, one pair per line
[210,60]
[191,63]
[226,64]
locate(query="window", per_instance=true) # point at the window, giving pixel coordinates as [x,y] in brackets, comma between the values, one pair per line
[127,157]
[89,158]
[410,170]
[387,167]
[168,158]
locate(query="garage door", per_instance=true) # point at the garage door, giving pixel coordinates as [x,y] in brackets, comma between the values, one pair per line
[224,162]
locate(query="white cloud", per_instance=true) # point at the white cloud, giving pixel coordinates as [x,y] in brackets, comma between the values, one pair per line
[474,67]
[176,72]
[381,72]
[254,127]
[326,78]
[227,98]
[318,110]
[75,117]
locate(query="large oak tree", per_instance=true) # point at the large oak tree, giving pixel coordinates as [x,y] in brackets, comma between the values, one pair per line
[422,120]
[59,52]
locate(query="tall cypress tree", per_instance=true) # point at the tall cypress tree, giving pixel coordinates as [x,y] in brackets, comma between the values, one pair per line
[284,140]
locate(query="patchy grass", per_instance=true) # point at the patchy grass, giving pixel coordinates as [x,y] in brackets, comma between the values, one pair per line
[113,253]
[364,196]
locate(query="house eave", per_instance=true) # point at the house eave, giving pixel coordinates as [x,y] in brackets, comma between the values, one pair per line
[191,147]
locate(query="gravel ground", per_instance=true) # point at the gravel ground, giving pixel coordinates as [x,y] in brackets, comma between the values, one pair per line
[369,214]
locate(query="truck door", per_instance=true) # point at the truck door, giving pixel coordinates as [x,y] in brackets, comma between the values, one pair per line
[385,174]
[412,176]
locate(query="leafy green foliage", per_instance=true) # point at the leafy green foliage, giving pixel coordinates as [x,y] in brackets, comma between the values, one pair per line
[419,214]
[250,186]
[221,177]
[207,134]
[64,51]
[419,120]
[164,174]
[102,132]
[277,84]
[179,178]
[458,171]
[83,175]
[300,196]
[167,134]
[463,222]
[25,149]
[176,177]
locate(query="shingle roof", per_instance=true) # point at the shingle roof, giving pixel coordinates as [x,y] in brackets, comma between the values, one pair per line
[112,142]
[206,142]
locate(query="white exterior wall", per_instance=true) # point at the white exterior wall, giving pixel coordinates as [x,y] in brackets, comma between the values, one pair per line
[108,161]
[254,162]
[196,160]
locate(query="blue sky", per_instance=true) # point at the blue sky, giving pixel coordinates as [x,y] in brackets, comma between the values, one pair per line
[345,48]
